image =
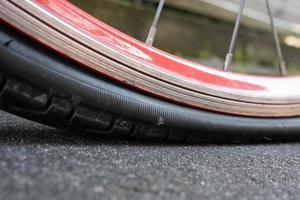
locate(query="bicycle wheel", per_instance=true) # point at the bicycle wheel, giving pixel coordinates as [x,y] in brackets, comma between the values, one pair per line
[62,67]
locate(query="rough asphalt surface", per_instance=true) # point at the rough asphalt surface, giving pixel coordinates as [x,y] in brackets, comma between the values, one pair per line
[38,162]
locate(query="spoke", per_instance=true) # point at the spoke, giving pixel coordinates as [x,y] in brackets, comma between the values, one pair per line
[153,29]
[282,64]
[229,55]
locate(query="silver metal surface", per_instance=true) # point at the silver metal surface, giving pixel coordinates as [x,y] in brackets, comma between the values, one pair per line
[153,29]
[229,56]
[282,64]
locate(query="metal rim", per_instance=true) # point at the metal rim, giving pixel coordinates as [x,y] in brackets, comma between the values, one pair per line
[74,33]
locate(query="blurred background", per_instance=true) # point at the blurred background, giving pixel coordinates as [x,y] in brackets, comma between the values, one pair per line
[200,30]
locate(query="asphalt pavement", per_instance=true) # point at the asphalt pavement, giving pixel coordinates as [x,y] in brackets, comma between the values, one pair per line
[38,162]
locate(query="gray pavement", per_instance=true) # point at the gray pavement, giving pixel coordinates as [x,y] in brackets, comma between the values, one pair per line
[38,162]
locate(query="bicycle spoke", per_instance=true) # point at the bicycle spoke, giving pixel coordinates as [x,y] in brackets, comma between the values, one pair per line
[282,64]
[153,29]
[229,55]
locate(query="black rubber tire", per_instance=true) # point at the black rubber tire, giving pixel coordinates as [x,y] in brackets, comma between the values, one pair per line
[40,85]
